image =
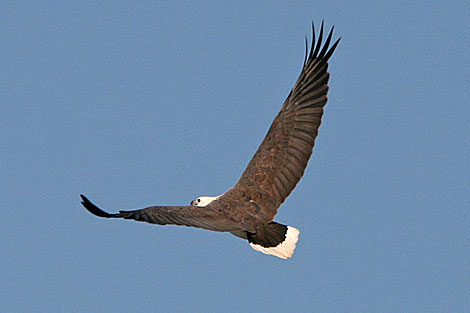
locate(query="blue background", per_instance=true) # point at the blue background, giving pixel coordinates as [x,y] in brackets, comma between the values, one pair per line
[145,103]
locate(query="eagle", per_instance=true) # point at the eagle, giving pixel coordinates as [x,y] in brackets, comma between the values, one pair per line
[247,210]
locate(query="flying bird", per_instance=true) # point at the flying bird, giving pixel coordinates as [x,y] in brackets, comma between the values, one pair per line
[247,209]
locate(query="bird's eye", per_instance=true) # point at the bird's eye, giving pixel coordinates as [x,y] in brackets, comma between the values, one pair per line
[198,200]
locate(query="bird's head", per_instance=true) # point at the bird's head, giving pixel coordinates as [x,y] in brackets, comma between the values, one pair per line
[203,201]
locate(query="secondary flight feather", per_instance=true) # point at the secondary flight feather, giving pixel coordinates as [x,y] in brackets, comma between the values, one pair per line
[247,210]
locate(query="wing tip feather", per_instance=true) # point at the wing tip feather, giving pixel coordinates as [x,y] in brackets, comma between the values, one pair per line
[93,209]
[326,51]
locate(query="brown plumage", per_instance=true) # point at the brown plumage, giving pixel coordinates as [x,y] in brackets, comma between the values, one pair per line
[281,159]
[247,210]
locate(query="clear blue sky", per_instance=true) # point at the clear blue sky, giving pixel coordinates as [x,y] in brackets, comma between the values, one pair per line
[140,103]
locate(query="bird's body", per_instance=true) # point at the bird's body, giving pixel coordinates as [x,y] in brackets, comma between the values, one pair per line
[247,210]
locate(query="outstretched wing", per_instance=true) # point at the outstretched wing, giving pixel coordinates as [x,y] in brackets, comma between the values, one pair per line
[280,161]
[192,216]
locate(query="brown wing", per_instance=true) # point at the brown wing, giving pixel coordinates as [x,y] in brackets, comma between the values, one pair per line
[192,216]
[280,161]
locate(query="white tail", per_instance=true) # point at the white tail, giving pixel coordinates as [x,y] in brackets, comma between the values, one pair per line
[285,249]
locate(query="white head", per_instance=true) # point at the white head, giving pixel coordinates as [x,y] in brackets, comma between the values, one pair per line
[203,201]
